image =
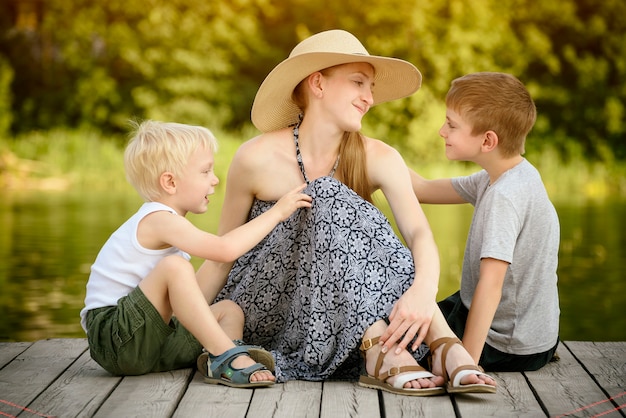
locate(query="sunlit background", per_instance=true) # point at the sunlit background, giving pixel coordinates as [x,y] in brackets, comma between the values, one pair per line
[72,73]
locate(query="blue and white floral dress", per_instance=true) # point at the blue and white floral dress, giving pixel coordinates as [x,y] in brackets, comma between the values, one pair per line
[313,286]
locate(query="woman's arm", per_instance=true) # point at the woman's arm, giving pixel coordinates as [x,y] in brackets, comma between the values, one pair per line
[413,312]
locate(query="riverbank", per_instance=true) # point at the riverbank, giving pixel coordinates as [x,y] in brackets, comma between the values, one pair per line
[65,160]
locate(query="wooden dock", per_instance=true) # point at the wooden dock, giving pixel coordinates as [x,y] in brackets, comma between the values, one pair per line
[58,378]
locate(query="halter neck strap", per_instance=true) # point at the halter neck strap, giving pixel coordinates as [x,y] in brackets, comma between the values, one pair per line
[299,155]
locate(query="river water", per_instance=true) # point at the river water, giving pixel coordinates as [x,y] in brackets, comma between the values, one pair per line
[49,240]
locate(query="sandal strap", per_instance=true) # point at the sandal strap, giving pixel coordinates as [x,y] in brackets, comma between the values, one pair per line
[462,371]
[411,372]
[393,371]
[366,345]
[369,343]
[401,380]
[221,366]
[448,343]
[443,340]
[241,375]
[379,363]
[226,358]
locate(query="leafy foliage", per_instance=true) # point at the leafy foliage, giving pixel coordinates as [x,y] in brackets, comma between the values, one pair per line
[96,64]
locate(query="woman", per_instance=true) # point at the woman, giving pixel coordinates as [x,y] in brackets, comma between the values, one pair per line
[325,281]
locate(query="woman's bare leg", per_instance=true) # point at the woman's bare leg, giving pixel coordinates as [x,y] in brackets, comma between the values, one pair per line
[457,356]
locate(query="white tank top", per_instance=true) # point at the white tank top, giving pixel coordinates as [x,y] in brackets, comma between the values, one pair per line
[122,263]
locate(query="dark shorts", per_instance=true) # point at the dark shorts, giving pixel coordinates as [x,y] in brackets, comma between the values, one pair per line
[492,359]
[132,338]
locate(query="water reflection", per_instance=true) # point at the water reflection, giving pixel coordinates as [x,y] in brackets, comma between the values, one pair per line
[591,270]
[48,241]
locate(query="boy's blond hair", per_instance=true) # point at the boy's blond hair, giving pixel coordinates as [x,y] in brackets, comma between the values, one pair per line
[498,102]
[159,147]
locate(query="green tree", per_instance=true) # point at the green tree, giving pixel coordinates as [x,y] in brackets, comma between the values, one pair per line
[105,62]
[579,71]
[99,63]
[6,112]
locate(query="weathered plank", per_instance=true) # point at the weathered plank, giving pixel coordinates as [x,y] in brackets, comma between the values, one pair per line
[565,387]
[8,351]
[295,398]
[150,395]
[513,395]
[414,406]
[78,392]
[32,371]
[204,400]
[347,399]
[57,378]
[606,361]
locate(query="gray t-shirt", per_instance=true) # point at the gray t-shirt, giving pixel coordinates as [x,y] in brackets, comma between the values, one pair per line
[515,221]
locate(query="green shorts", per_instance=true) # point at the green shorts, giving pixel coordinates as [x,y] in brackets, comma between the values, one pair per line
[132,338]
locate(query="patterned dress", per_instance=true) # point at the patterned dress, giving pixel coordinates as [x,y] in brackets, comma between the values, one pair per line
[313,286]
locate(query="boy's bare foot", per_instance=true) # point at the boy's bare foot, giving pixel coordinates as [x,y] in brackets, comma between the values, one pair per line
[242,362]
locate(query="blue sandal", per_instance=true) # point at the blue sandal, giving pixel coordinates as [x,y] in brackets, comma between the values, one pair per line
[219,369]
[258,354]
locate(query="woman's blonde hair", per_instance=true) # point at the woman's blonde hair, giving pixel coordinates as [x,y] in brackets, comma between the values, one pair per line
[498,102]
[352,169]
[159,147]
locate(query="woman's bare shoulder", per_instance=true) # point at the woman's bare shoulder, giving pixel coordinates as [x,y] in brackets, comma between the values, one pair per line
[384,163]
[266,141]
[377,149]
[263,146]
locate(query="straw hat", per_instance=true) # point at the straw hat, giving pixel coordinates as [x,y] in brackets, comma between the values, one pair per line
[273,108]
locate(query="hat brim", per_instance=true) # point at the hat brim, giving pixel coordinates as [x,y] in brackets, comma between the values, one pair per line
[273,108]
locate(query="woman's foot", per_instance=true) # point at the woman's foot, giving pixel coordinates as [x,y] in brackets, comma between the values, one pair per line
[391,360]
[456,359]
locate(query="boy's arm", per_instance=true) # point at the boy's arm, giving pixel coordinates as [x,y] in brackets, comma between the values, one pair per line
[484,304]
[243,238]
[162,229]
[438,191]
[238,201]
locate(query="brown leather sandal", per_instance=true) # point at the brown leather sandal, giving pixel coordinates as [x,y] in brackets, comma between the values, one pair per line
[379,380]
[454,382]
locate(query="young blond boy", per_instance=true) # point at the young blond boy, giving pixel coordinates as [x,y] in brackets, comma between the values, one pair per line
[507,309]
[144,309]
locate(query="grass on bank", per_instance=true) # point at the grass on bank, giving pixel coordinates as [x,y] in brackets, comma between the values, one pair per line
[86,160]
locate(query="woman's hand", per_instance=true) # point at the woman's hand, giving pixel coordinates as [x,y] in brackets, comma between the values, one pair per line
[410,316]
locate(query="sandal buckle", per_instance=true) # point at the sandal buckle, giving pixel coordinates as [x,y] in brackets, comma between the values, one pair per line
[394,371]
[366,345]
